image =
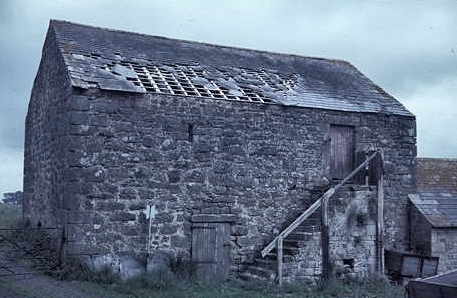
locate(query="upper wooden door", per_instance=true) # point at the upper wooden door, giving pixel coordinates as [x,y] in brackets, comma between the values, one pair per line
[341,151]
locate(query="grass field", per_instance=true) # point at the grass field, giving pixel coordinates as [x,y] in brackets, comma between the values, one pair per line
[10,215]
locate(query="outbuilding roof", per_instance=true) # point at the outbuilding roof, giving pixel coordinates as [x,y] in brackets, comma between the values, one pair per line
[132,62]
[439,209]
[437,174]
[436,199]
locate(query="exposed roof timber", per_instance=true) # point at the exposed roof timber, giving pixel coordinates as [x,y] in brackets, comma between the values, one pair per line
[93,56]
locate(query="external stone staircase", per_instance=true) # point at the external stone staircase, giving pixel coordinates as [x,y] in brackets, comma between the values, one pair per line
[355,237]
[353,234]
[305,235]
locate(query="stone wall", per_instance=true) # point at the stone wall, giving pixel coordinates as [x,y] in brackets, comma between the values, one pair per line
[444,246]
[352,238]
[352,225]
[95,160]
[45,133]
[436,242]
[420,233]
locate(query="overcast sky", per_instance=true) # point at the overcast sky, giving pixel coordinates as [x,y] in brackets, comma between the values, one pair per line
[408,48]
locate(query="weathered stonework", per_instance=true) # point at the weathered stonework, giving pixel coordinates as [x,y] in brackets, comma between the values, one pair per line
[427,240]
[353,217]
[433,215]
[96,160]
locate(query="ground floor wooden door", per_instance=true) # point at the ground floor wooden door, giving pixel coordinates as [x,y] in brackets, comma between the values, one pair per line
[341,151]
[211,250]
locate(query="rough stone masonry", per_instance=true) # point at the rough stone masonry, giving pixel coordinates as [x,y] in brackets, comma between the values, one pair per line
[97,158]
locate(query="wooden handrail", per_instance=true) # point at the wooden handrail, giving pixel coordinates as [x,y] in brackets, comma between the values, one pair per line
[314,207]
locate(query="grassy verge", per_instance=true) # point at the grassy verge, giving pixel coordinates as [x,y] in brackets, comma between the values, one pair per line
[10,215]
[251,289]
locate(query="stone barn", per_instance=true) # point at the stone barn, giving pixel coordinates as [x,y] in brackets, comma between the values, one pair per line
[233,162]
[433,213]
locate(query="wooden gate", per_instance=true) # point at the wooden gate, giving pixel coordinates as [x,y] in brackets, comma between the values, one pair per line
[341,151]
[28,250]
[211,246]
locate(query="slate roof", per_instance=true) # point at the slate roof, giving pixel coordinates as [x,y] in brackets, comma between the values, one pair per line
[131,62]
[437,174]
[439,209]
[436,199]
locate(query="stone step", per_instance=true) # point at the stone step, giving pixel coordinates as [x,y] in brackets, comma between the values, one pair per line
[261,272]
[310,228]
[246,276]
[285,257]
[290,249]
[265,263]
[301,237]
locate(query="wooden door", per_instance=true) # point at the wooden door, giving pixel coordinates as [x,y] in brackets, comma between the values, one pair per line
[211,251]
[341,151]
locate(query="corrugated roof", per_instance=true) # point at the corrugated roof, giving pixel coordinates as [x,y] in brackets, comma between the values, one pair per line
[131,62]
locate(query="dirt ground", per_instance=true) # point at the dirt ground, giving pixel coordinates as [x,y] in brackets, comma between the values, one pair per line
[22,285]
[37,285]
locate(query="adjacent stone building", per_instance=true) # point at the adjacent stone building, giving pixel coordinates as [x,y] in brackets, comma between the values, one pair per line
[433,212]
[137,144]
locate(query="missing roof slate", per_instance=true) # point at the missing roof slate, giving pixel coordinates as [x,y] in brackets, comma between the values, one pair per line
[195,80]
[232,73]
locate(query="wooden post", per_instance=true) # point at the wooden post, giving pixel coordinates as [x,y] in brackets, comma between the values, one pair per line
[279,257]
[367,170]
[325,239]
[380,217]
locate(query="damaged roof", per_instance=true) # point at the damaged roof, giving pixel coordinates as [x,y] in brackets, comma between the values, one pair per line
[131,62]
[436,199]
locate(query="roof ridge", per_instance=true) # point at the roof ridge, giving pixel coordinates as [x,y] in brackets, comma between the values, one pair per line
[436,159]
[53,22]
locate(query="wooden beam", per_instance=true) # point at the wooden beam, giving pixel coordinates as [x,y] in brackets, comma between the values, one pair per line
[325,240]
[380,221]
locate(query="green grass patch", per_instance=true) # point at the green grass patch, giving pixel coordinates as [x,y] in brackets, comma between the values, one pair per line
[379,288]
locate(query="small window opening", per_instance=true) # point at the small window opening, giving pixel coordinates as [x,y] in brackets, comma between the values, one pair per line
[348,264]
[190,132]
